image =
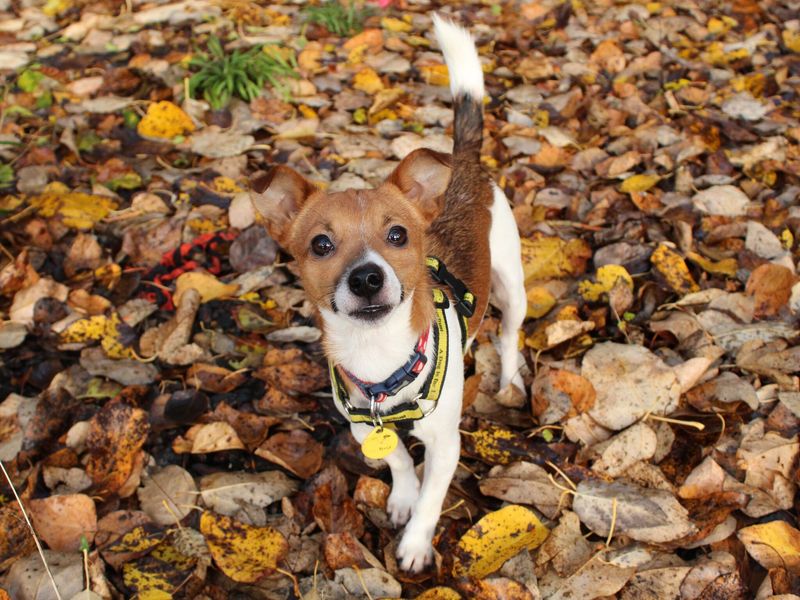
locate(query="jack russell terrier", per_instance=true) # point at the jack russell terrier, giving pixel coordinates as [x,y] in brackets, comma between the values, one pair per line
[400,278]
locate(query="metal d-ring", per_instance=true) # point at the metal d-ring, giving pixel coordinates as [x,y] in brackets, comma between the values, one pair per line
[374,413]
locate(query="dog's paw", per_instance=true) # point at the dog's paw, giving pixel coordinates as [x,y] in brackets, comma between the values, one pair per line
[415,551]
[401,503]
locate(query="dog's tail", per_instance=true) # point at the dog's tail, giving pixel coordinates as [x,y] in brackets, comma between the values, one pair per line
[466,85]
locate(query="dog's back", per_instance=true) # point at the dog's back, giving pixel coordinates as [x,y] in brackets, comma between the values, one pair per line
[460,234]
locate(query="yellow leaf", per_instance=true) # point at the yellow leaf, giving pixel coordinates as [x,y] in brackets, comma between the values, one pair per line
[243,552]
[540,301]
[100,327]
[639,183]
[775,544]
[395,25]
[77,210]
[727,266]
[367,80]
[164,120]
[435,74]
[673,269]
[307,112]
[439,593]
[55,7]
[494,539]
[226,185]
[210,287]
[607,277]
[787,239]
[552,257]
[791,39]
[159,574]
[540,338]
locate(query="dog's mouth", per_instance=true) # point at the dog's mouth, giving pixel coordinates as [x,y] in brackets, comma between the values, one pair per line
[371,312]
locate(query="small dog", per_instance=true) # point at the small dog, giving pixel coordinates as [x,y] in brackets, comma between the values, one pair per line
[400,277]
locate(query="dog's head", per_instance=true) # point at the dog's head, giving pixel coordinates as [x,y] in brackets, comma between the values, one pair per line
[361,252]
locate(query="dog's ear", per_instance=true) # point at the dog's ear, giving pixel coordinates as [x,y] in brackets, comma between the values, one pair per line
[278,195]
[423,177]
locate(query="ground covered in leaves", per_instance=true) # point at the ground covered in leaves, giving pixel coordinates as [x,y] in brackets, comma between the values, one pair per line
[165,416]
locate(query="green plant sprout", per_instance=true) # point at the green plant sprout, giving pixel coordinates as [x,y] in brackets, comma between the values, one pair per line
[338,19]
[221,76]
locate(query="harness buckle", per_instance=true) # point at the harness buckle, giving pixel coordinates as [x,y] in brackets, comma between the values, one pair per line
[374,413]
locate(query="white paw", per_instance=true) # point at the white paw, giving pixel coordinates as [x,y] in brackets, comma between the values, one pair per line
[401,502]
[415,551]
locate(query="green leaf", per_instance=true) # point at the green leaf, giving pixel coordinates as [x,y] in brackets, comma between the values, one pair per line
[6,175]
[29,80]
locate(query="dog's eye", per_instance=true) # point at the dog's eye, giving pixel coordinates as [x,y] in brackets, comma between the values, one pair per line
[397,236]
[321,245]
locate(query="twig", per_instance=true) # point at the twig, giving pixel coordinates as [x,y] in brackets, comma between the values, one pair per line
[363,583]
[613,522]
[696,424]
[33,532]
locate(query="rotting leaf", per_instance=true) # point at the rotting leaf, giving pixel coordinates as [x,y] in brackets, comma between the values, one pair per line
[243,552]
[494,539]
[116,435]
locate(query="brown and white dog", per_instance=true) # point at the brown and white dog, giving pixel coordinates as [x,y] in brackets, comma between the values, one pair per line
[362,259]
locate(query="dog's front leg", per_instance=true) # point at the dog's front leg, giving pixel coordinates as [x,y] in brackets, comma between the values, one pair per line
[442,450]
[405,485]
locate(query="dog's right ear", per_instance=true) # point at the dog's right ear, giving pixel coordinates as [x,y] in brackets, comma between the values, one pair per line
[278,195]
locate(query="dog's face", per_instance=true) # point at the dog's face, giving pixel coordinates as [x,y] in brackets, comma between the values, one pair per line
[361,252]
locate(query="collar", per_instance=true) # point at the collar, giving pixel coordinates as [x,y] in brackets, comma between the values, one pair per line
[398,380]
[464,303]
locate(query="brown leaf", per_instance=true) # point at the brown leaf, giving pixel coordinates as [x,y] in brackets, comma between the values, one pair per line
[62,521]
[116,435]
[296,451]
[771,286]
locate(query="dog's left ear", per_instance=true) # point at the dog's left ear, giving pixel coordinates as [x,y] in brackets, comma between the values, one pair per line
[278,195]
[423,177]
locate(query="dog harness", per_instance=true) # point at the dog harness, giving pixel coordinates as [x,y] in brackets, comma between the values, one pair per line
[464,303]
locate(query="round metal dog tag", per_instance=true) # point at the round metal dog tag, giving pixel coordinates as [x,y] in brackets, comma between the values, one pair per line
[379,443]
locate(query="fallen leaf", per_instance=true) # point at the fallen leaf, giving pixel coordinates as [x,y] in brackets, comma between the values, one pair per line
[208,286]
[367,80]
[523,483]
[495,538]
[773,545]
[647,515]
[630,381]
[296,451]
[116,435]
[62,521]
[547,258]
[164,120]
[723,200]
[244,496]
[771,286]
[167,495]
[672,268]
[243,552]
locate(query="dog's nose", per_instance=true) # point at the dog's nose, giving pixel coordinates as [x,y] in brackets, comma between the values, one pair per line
[366,280]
